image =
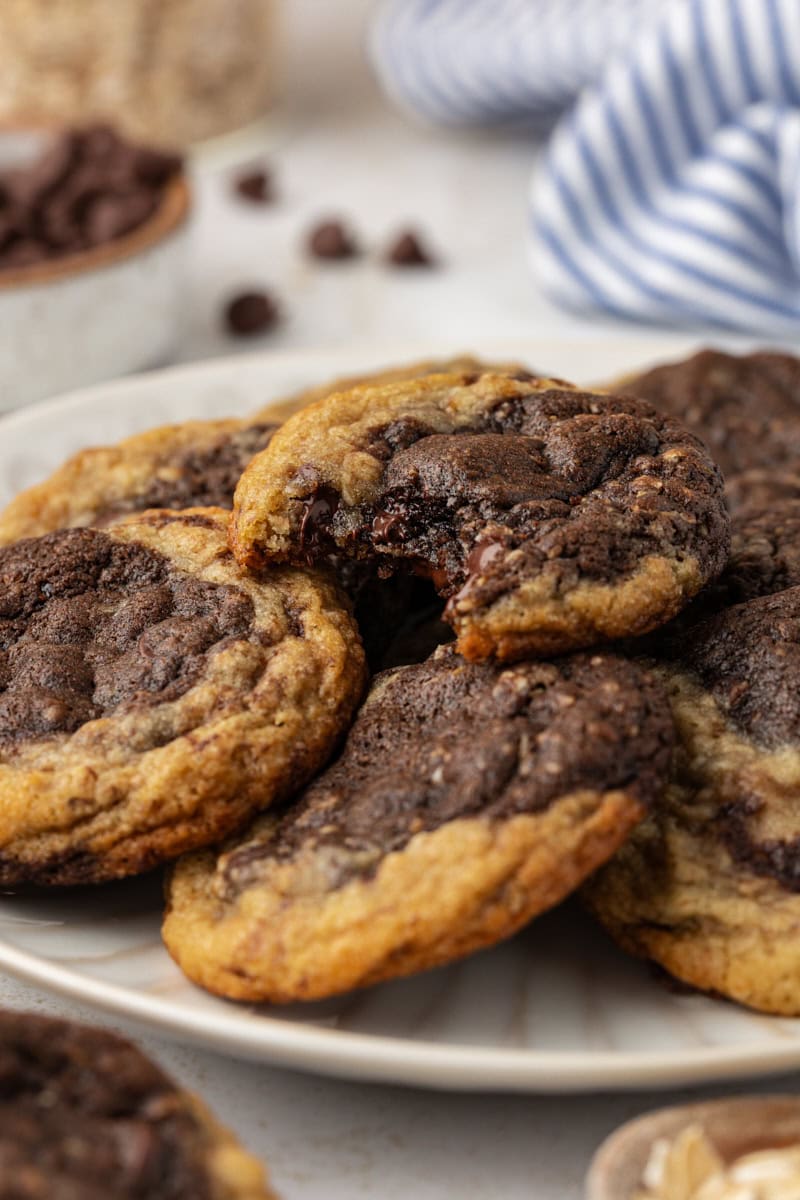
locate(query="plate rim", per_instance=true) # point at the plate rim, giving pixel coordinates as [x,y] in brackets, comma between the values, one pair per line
[452,1066]
[368,1056]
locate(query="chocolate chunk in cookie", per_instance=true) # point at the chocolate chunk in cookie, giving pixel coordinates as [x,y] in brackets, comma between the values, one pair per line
[468,799]
[85,1116]
[709,884]
[153,697]
[548,517]
[745,408]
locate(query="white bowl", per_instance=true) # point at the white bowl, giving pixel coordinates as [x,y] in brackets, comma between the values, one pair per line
[97,314]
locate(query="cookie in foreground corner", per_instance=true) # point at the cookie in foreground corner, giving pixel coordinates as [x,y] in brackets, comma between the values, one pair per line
[154,696]
[468,799]
[548,518]
[86,1115]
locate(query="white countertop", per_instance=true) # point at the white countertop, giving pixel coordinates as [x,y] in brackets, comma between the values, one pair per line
[336,148]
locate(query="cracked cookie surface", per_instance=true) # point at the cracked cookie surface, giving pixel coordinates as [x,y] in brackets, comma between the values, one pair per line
[548,517]
[468,798]
[86,1116]
[708,886]
[153,696]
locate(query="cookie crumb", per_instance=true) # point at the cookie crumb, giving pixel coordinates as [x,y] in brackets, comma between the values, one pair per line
[408,250]
[250,313]
[332,240]
[256,187]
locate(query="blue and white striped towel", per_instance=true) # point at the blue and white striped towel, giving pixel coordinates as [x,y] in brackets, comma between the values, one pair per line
[670,189]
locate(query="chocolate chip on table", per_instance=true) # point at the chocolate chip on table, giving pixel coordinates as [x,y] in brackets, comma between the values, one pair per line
[250,313]
[255,187]
[407,250]
[332,239]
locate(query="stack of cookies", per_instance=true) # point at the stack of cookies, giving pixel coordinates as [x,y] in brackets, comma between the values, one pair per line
[470,639]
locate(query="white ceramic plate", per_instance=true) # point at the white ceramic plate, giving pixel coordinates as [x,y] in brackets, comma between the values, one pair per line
[556,1009]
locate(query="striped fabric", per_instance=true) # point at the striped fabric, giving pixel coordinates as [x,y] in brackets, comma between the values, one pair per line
[670,189]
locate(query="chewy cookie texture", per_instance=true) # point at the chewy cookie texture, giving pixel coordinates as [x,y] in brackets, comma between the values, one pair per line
[85,1116]
[548,518]
[154,696]
[467,799]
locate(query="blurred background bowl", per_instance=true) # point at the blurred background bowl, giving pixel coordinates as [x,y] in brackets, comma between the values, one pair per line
[162,71]
[102,312]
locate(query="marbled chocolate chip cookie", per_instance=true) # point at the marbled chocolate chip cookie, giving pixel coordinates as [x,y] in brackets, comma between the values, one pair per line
[549,518]
[468,799]
[85,1116]
[153,696]
[745,408]
[709,884]
[197,463]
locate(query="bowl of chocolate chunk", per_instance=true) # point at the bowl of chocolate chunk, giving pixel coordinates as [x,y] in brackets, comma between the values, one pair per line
[92,245]
[743,1148]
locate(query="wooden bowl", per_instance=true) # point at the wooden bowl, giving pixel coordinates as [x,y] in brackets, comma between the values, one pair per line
[735,1127]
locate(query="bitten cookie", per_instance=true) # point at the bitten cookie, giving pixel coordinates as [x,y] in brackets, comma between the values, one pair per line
[548,517]
[468,799]
[153,696]
[745,408]
[85,1116]
[197,463]
[709,884]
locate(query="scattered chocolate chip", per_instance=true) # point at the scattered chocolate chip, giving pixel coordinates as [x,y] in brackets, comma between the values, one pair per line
[255,187]
[408,251]
[332,239]
[89,187]
[250,313]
